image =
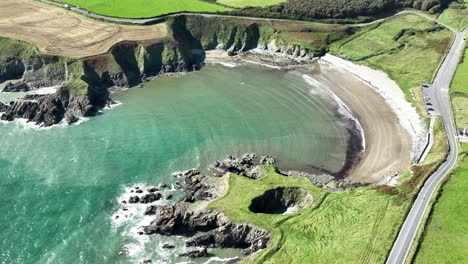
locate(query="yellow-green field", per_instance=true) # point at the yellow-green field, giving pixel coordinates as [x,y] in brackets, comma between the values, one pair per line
[145,8]
[244,3]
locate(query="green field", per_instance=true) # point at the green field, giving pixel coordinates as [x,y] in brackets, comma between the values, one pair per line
[446,237]
[407,47]
[456,17]
[244,3]
[459,93]
[355,226]
[145,8]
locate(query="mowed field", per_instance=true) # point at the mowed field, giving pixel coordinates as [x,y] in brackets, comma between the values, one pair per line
[145,8]
[446,238]
[57,31]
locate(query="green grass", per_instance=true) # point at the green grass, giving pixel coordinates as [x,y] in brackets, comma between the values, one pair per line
[144,8]
[446,238]
[354,226]
[459,93]
[244,3]
[407,47]
[11,49]
[456,18]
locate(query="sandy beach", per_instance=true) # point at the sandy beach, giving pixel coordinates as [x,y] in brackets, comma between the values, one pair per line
[393,134]
[387,149]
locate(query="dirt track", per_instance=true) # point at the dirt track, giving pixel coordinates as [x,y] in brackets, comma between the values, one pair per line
[57,31]
[388,145]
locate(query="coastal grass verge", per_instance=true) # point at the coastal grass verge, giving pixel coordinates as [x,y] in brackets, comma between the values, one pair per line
[408,47]
[459,93]
[144,8]
[355,226]
[445,237]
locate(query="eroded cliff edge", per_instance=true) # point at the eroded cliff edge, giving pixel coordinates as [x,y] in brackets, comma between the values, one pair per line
[83,85]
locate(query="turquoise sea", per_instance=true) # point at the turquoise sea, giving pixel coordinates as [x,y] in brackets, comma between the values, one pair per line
[60,187]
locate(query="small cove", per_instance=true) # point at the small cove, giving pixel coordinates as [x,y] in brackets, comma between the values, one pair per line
[60,186]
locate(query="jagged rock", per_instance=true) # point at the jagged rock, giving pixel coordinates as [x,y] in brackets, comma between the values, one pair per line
[3,107]
[16,87]
[233,236]
[153,189]
[33,97]
[268,160]
[163,185]
[168,197]
[272,46]
[71,118]
[134,199]
[187,173]
[48,110]
[168,246]
[149,198]
[195,254]
[150,210]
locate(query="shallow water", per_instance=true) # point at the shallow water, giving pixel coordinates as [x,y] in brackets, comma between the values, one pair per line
[60,187]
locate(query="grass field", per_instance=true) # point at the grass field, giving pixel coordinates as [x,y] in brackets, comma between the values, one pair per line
[455,17]
[356,226]
[446,237]
[407,47]
[144,8]
[56,31]
[459,93]
[244,3]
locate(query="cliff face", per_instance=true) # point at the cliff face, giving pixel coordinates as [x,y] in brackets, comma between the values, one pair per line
[84,83]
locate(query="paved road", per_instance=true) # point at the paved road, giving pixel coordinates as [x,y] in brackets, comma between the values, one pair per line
[441,100]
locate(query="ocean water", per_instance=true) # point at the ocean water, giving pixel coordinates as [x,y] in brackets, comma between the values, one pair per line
[60,187]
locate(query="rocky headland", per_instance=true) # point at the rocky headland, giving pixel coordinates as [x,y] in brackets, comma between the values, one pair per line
[208,228]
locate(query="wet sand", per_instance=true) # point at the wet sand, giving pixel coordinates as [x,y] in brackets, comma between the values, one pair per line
[387,145]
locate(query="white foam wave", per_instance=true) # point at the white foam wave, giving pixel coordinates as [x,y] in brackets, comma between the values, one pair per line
[131,217]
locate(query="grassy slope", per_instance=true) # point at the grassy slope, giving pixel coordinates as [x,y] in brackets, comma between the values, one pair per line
[144,8]
[457,18]
[459,93]
[407,58]
[353,226]
[446,238]
[244,3]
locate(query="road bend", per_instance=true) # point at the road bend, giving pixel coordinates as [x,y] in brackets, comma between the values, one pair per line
[441,85]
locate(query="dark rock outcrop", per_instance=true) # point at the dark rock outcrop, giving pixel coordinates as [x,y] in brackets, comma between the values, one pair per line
[183,218]
[48,110]
[233,236]
[246,166]
[16,87]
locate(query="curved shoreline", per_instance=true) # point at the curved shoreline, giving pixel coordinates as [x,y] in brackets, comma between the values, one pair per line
[370,116]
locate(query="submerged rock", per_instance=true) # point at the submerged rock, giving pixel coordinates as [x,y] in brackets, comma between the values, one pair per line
[195,254]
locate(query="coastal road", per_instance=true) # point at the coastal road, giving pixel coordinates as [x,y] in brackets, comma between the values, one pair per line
[153,20]
[441,85]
